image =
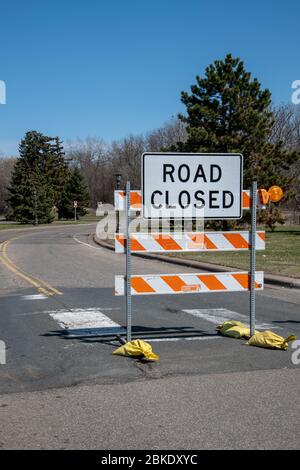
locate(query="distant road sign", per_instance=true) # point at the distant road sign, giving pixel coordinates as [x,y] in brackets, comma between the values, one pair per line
[75,204]
[192,185]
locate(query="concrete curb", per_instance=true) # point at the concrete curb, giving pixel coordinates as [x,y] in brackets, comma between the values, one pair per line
[272,279]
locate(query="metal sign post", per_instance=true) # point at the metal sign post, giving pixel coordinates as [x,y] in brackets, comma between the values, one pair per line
[128,264]
[172,181]
[253,256]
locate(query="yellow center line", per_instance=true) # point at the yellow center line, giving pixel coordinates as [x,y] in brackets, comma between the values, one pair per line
[42,286]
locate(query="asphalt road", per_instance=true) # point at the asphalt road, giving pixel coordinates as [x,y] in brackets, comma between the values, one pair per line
[49,277]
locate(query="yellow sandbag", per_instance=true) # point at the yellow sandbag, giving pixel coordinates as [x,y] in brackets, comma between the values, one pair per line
[137,348]
[268,339]
[228,324]
[238,332]
[234,329]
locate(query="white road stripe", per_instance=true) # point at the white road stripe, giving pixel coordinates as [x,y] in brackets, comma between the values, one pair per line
[34,297]
[218,316]
[86,244]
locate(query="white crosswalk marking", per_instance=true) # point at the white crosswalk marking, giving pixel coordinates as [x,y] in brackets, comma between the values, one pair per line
[92,321]
[218,316]
[183,338]
[85,321]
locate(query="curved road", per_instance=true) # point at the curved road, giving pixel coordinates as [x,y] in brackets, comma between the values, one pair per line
[57,280]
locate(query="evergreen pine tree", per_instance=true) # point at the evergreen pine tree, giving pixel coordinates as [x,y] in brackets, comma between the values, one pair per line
[31,198]
[75,189]
[227,111]
[57,169]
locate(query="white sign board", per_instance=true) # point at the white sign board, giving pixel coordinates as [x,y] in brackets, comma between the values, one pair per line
[192,185]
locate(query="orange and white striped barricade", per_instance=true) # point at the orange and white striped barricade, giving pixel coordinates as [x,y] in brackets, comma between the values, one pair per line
[154,284]
[136,200]
[162,242]
[157,284]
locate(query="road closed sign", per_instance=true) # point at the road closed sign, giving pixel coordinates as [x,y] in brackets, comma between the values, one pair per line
[192,185]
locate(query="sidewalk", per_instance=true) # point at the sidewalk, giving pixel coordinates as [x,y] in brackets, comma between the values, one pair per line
[282,281]
[245,410]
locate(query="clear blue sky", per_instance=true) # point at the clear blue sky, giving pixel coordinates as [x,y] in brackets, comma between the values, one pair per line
[109,68]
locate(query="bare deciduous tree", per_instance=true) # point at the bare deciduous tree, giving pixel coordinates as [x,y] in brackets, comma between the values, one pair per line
[287,129]
[126,157]
[100,162]
[93,158]
[166,136]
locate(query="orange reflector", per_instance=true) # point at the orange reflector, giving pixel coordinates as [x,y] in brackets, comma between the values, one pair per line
[264,196]
[275,193]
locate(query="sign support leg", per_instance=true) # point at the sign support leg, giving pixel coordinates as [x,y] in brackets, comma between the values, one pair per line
[128,264]
[253,256]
